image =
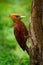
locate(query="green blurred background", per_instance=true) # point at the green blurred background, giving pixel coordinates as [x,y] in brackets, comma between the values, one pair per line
[10,51]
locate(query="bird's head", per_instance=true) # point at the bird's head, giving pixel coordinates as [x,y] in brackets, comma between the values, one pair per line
[16,17]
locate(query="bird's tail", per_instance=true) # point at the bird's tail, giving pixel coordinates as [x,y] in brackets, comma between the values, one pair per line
[27,49]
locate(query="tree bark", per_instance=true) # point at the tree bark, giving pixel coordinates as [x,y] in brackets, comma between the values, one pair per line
[36,33]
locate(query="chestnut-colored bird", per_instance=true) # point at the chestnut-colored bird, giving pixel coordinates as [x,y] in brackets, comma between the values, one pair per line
[20,31]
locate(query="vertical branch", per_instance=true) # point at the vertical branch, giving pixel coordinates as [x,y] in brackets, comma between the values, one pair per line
[36,22]
[36,52]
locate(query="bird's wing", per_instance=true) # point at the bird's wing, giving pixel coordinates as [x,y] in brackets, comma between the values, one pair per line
[23,29]
[16,31]
[18,34]
[20,37]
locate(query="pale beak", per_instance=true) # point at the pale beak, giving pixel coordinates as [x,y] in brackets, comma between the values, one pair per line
[22,16]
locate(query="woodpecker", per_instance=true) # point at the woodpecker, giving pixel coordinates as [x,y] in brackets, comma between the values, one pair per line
[20,31]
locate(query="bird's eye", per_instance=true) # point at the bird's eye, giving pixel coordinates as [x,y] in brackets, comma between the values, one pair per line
[17,16]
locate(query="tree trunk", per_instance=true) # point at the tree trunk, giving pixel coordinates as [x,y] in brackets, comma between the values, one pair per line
[36,32]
